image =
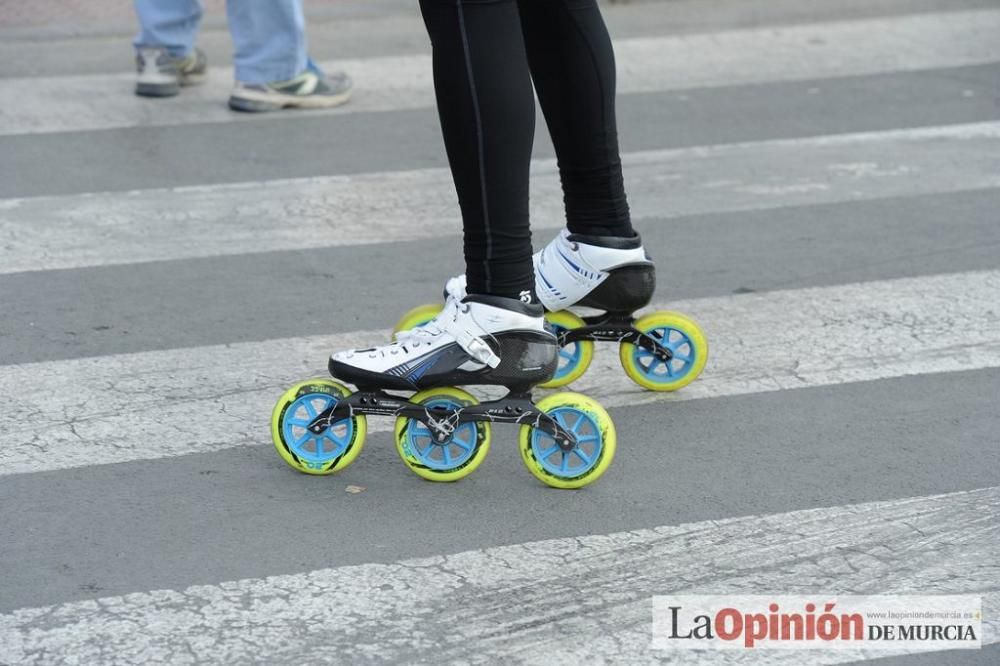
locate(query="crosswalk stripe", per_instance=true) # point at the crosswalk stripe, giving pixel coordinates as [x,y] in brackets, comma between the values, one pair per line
[563,600]
[44,233]
[143,406]
[796,52]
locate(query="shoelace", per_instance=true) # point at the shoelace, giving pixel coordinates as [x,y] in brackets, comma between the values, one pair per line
[447,323]
[454,293]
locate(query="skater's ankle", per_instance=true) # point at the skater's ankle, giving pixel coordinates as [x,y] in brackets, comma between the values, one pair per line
[628,242]
[531,307]
[512,285]
[602,230]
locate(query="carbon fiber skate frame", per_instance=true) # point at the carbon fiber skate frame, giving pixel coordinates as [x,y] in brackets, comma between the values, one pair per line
[515,407]
[614,327]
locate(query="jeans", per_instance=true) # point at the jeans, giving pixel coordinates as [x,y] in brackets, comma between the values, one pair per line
[268,35]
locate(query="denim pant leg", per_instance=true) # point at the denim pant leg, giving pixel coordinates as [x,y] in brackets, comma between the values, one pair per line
[168,23]
[269,39]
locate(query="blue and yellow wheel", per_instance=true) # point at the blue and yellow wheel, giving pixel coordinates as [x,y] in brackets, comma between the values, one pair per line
[329,452]
[452,460]
[678,333]
[575,357]
[587,460]
[418,316]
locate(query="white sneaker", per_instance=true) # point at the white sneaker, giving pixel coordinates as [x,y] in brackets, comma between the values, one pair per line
[478,340]
[311,89]
[162,75]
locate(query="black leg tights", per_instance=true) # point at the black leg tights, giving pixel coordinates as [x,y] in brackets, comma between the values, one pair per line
[482,50]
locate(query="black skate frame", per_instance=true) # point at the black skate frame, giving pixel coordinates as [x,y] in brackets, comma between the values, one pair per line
[515,407]
[614,327]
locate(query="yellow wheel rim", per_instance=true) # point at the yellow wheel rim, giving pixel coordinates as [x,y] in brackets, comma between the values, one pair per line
[448,462]
[418,316]
[685,339]
[330,452]
[595,430]
[574,358]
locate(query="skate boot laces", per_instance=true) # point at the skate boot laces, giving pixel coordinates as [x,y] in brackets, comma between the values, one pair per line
[455,321]
[455,288]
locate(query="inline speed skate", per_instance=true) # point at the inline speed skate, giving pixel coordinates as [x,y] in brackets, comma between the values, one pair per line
[660,351]
[567,440]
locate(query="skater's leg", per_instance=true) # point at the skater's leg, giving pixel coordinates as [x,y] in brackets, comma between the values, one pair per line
[269,40]
[573,66]
[487,113]
[169,24]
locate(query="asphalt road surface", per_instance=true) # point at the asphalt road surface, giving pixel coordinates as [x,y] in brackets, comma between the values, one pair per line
[819,183]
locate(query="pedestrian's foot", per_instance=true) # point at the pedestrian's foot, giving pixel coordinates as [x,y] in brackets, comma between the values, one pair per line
[309,90]
[162,74]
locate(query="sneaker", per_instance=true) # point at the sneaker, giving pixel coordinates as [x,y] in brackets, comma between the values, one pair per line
[483,340]
[162,75]
[309,90]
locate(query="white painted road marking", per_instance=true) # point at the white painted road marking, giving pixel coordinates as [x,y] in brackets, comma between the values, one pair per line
[758,55]
[143,406]
[573,600]
[44,233]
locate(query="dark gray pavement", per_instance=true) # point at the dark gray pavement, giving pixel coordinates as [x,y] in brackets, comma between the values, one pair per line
[300,144]
[108,530]
[142,307]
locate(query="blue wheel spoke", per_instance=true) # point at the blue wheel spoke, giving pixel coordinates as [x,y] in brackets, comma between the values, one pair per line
[426,453]
[566,354]
[547,453]
[446,453]
[302,440]
[337,441]
[567,465]
[463,444]
[302,423]
[310,409]
[319,445]
[682,356]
